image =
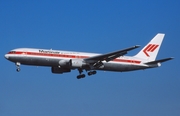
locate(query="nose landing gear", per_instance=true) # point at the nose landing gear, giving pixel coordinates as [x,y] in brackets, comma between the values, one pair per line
[18,66]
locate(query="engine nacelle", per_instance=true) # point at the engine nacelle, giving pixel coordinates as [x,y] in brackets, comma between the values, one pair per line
[65,63]
[77,63]
[59,70]
[72,63]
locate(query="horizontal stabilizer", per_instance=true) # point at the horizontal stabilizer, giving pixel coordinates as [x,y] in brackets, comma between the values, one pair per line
[159,61]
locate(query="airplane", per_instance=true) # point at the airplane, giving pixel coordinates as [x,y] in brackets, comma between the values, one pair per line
[65,61]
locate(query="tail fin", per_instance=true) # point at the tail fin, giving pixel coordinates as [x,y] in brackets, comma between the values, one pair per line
[150,51]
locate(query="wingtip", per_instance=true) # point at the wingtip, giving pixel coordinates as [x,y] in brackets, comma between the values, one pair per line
[137,46]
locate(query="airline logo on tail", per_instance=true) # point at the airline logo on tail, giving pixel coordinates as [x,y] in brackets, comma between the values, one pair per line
[150,48]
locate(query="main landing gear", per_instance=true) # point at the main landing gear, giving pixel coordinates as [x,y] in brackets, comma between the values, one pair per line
[92,73]
[18,66]
[80,74]
[83,75]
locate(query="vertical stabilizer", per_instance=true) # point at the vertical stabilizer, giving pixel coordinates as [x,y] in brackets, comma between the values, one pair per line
[150,51]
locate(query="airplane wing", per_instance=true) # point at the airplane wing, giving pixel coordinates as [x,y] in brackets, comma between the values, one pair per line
[109,56]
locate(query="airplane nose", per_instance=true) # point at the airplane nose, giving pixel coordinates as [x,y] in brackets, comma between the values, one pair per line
[6,56]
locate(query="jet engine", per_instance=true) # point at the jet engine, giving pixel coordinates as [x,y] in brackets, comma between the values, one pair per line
[77,63]
[65,63]
[72,63]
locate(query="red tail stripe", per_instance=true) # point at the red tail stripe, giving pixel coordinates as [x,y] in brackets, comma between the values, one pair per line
[146,49]
[154,48]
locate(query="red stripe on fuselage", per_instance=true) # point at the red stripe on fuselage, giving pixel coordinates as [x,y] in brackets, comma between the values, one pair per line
[69,56]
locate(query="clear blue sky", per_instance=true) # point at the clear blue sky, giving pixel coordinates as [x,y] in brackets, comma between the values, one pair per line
[92,26]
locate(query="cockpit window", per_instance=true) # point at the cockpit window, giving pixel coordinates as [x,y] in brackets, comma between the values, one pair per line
[12,52]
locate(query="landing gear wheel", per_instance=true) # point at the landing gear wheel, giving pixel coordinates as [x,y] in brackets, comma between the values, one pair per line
[78,77]
[81,76]
[92,73]
[18,69]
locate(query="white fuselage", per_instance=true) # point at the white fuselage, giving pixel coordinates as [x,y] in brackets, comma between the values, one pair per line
[51,58]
